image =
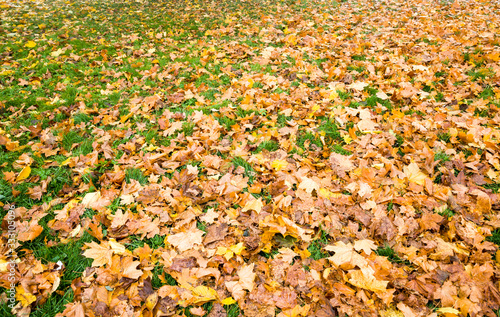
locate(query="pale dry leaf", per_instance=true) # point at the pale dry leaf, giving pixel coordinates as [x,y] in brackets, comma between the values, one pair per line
[186,240]
[99,252]
[253,204]
[247,276]
[308,185]
[366,245]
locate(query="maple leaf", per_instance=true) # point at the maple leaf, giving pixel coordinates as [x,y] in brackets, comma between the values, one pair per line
[236,289]
[247,276]
[346,257]
[278,165]
[24,297]
[359,86]
[90,198]
[413,173]
[366,245]
[186,240]
[99,252]
[30,44]
[308,185]
[28,231]
[253,204]
[210,216]
[36,192]
[204,294]
[130,268]
[358,279]
[340,164]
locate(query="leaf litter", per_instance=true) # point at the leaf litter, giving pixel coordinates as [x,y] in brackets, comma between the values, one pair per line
[257,158]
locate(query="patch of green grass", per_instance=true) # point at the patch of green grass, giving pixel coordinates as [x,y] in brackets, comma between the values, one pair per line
[482,73]
[359,57]
[188,128]
[441,156]
[391,255]
[269,146]
[447,213]
[304,138]
[444,136]
[70,255]
[337,148]
[207,307]
[5,310]
[316,246]
[232,310]
[495,237]
[202,225]
[331,130]
[271,254]
[161,278]
[495,188]
[137,174]
[55,304]
[84,148]
[71,138]
[81,117]
[249,170]
[154,243]
[390,206]
[487,93]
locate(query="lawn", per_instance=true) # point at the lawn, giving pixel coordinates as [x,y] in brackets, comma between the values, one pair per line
[250,158]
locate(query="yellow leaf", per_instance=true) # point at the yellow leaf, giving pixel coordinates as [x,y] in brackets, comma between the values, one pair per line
[30,44]
[66,161]
[151,301]
[4,266]
[204,294]
[333,95]
[25,298]
[414,174]
[255,204]
[278,165]
[25,173]
[347,139]
[228,301]
[358,279]
[391,313]
[125,118]
[6,72]
[448,310]
[237,248]
[227,253]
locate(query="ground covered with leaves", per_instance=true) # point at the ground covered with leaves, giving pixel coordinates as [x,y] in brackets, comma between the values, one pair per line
[256,158]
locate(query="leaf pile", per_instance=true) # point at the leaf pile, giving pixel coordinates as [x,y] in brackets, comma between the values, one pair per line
[257,158]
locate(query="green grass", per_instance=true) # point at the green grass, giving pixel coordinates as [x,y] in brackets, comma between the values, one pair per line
[136,242]
[306,139]
[249,170]
[71,138]
[391,255]
[447,213]
[442,157]
[136,174]
[495,237]
[445,137]
[269,146]
[495,188]
[317,245]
